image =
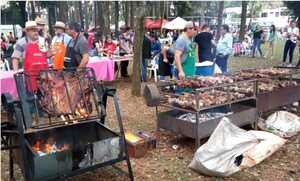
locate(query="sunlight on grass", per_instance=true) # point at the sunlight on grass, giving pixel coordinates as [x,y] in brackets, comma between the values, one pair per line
[243,62]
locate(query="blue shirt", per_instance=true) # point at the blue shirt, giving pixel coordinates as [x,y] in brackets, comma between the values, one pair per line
[224,45]
[156,47]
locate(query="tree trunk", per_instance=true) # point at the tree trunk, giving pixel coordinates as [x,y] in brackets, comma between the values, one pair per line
[86,15]
[33,14]
[162,15]
[62,14]
[22,5]
[126,13]
[138,46]
[51,16]
[81,14]
[131,12]
[243,20]
[117,18]
[220,18]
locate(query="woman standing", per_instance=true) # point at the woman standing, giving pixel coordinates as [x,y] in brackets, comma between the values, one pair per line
[257,35]
[271,39]
[224,48]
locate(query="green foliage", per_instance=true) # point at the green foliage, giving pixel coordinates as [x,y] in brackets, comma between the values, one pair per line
[183,8]
[295,7]
[11,14]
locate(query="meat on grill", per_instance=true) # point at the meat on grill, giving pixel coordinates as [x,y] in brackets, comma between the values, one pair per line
[64,93]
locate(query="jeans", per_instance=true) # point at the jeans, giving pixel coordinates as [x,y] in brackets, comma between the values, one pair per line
[221,61]
[256,44]
[144,65]
[289,47]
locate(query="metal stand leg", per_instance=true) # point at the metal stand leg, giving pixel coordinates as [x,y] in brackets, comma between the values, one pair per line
[122,133]
[11,165]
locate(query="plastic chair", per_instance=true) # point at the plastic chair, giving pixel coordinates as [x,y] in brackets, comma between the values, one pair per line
[153,66]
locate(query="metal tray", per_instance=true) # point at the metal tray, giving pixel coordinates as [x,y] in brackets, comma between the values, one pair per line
[242,115]
[284,96]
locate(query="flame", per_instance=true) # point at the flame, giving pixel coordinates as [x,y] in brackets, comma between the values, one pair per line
[50,146]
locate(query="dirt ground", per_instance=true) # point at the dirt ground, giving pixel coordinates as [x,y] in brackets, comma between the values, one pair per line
[165,163]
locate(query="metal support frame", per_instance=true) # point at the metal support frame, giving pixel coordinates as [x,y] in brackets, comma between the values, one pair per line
[23,121]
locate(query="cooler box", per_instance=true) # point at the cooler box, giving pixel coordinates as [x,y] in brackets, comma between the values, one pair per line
[205,68]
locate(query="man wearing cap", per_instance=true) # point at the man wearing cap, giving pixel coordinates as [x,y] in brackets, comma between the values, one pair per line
[31,38]
[59,43]
[77,49]
[185,52]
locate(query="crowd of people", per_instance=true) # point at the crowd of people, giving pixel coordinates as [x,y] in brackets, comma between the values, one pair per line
[176,57]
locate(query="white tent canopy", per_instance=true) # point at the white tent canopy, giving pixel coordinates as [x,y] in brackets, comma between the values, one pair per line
[176,24]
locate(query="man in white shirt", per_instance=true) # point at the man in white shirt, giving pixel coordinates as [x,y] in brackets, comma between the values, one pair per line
[60,35]
[291,42]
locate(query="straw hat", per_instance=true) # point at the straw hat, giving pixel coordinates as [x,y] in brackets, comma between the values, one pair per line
[30,25]
[59,24]
[39,21]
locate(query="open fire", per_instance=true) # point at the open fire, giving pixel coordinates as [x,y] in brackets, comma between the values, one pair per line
[42,147]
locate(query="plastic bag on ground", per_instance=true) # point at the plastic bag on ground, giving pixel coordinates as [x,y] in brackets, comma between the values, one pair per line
[217,156]
[229,149]
[284,123]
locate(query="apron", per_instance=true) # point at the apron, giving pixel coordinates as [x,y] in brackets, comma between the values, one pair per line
[58,58]
[34,61]
[71,56]
[188,65]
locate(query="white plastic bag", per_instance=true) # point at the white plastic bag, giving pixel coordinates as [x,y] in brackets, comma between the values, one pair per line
[217,156]
[284,123]
[229,149]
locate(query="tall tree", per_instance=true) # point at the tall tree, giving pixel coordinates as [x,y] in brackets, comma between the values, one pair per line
[220,18]
[87,15]
[183,8]
[126,12]
[51,16]
[243,20]
[295,7]
[117,18]
[22,5]
[81,14]
[131,14]
[62,14]
[138,46]
[32,8]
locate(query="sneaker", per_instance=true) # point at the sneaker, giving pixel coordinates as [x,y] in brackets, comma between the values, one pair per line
[290,65]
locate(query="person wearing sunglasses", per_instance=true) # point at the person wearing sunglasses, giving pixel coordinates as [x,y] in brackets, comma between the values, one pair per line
[185,52]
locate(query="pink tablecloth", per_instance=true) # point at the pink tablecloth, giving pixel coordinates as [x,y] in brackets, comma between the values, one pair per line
[8,84]
[104,68]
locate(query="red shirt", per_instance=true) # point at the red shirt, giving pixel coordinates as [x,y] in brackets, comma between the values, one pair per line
[109,48]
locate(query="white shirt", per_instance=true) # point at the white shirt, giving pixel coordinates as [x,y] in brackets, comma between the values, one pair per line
[60,38]
[292,34]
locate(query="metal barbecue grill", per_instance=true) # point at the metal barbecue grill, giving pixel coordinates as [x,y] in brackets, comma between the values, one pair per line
[168,114]
[60,122]
[245,110]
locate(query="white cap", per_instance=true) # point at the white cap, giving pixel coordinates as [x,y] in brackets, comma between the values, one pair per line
[189,24]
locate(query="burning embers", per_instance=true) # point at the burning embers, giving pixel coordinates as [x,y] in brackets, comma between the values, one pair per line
[43,147]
